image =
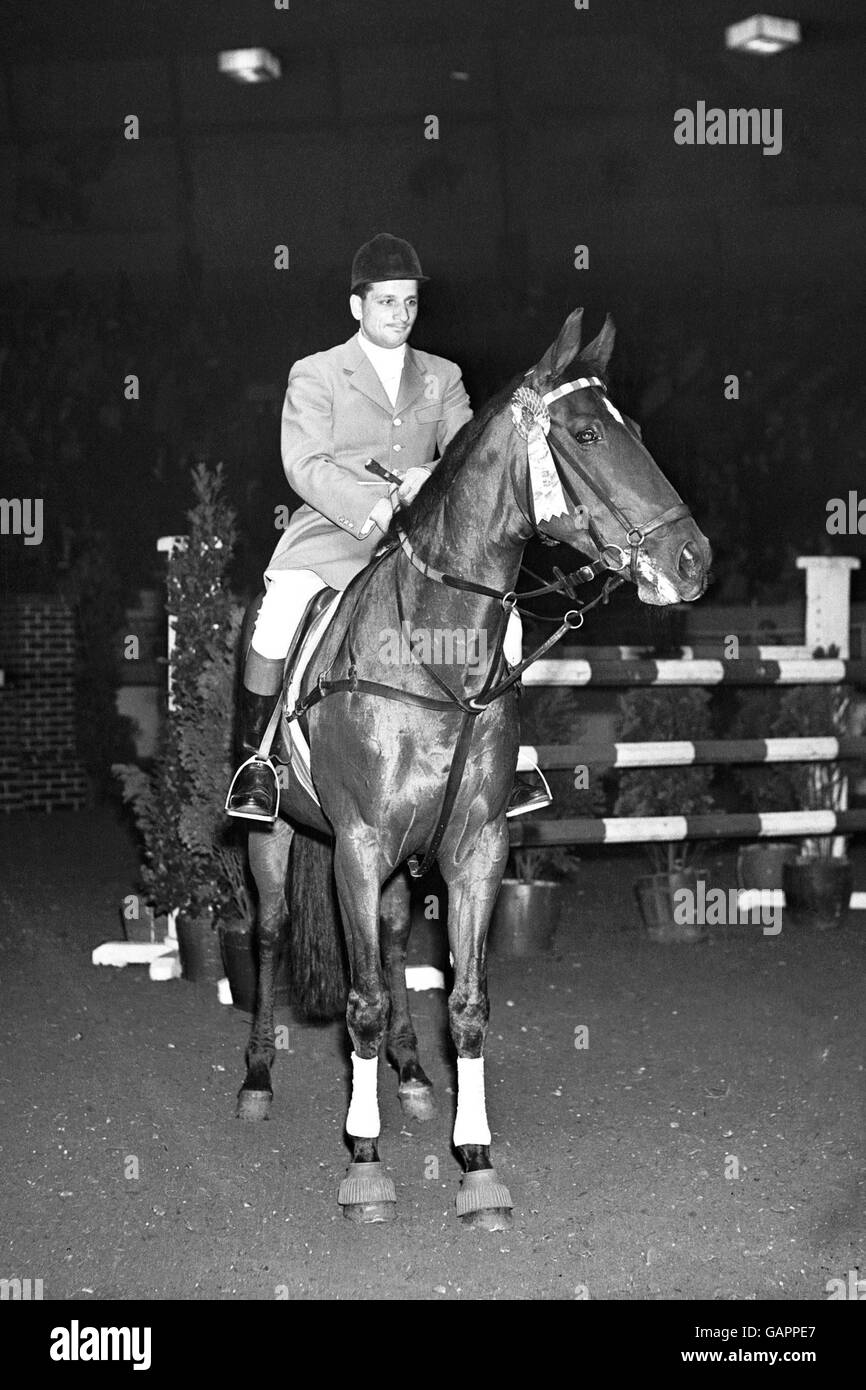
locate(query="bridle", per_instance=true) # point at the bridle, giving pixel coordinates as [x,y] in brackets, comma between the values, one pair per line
[530,403]
[525,403]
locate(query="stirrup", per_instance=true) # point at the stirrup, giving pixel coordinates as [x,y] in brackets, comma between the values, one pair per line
[534,801]
[253,814]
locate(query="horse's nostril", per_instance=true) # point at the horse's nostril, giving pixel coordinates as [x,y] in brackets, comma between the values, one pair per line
[690,563]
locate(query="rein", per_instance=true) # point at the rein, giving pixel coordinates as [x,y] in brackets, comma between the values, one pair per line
[527,406]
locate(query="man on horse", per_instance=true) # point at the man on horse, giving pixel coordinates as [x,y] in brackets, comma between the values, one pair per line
[371,397]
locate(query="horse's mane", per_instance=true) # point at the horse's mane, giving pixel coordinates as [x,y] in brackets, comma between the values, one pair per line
[456,454]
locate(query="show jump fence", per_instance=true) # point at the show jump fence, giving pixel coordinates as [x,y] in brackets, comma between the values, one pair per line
[827,624]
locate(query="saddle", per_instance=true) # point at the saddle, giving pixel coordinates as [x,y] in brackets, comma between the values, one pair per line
[291,742]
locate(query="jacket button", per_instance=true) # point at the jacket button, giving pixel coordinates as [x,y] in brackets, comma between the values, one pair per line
[398,421]
[397,448]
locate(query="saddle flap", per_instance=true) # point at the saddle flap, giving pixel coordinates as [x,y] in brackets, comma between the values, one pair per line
[316,607]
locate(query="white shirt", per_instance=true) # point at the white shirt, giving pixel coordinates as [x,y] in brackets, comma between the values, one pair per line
[387,364]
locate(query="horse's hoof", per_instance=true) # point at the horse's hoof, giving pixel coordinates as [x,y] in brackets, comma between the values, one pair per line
[484,1201]
[417,1102]
[367,1195]
[368,1213]
[489,1218]
[254,1105]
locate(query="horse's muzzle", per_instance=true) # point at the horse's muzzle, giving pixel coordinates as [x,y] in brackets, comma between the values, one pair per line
[693,568]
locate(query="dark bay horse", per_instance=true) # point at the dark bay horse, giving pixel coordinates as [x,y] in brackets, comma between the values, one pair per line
[381,761]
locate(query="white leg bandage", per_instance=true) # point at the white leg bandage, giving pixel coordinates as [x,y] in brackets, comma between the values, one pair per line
[288,593]
[512,647]
[362,1121]
[470,1126]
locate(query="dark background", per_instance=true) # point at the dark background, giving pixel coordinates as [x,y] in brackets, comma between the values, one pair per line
[155,256]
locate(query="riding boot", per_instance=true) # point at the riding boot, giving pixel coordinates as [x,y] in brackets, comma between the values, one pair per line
[530,792]
[255,790]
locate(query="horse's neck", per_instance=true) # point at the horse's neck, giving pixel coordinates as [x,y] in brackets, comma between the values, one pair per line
[477,532]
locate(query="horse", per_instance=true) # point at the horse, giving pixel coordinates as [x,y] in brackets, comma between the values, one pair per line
[411,758]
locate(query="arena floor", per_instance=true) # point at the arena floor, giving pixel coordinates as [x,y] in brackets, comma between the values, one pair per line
[709,1142]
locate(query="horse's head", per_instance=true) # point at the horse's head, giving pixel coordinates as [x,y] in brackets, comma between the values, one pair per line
[607,495]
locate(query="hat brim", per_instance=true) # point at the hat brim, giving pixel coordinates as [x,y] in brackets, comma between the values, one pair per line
[383,279]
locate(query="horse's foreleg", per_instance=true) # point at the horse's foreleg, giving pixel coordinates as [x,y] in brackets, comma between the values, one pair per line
[269,858]
[415,1087]
[472,887]
[366,1194]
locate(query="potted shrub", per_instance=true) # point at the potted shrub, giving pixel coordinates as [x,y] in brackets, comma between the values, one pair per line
[193,860]
[660,712]
[532,894]
[762,787]
[528,908]
[817,882]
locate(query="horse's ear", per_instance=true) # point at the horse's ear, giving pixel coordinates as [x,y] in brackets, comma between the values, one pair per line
[597,354]
[563,351]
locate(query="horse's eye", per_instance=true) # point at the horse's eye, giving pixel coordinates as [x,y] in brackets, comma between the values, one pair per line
[586,436]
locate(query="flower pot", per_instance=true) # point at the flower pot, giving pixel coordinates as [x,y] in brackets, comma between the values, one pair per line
[660,913]
[237,941]
[199,948]
[524,918]
[760,865]
[817,892]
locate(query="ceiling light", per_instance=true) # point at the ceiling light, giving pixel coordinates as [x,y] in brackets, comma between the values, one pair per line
[763,33]
[249,64]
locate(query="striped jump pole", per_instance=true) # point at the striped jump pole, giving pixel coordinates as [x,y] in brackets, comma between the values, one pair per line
[824,671]
[698,651]
[681,753]
[631,830]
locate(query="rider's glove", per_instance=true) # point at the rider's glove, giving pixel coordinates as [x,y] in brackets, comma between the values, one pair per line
[380,515]
[413,481]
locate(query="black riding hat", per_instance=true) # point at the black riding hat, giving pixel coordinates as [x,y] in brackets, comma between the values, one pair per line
[386,257]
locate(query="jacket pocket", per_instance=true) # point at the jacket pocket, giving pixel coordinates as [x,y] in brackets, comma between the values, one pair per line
[430,414]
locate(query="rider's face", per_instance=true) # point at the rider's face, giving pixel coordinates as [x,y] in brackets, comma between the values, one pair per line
[387,312]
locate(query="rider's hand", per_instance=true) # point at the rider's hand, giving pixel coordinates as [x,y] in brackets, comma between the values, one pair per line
[413,481]
[382,513]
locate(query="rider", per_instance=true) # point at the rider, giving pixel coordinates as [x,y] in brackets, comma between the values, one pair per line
[371,397]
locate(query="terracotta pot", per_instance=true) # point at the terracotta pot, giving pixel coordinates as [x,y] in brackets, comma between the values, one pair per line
[817,893]
[525,918]
[655,895]
[237,942]
[199,948]
[760,865]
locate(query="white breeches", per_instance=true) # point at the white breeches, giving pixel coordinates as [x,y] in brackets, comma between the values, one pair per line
[287,595]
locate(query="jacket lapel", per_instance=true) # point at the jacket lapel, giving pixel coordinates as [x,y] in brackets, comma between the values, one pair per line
[362,376]
[411,382]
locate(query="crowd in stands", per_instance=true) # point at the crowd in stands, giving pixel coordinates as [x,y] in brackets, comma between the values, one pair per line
[758,469]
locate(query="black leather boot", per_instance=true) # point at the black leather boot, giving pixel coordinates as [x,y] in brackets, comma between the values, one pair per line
[255,790]
[529,793]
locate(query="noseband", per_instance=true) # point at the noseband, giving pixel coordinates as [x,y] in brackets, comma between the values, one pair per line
[545,481]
